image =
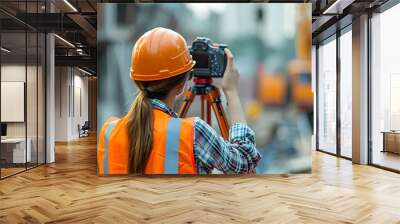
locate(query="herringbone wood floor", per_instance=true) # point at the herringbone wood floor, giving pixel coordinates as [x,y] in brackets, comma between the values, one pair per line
[70,191]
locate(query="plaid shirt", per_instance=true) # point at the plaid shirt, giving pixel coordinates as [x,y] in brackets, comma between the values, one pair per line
[238,155]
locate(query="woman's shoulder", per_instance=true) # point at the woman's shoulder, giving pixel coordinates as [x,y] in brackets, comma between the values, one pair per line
[111,119]
[202,127]
[189,121]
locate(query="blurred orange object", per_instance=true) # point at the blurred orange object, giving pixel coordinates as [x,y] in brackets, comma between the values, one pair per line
[300,78]
[300,70]
[272,90]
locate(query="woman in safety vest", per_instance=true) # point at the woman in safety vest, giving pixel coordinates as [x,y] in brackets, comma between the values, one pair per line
[151,139]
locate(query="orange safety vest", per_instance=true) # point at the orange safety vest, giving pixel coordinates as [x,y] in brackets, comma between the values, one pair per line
[171,152]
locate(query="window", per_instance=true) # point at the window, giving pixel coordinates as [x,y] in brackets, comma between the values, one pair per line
[346,94]
[22,88]
[327,96]
[385,89]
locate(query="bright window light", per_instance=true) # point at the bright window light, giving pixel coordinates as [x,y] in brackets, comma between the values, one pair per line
[70,5]
[65,41]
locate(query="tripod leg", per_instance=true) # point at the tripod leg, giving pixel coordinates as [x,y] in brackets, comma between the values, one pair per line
[186,102]
[214,99]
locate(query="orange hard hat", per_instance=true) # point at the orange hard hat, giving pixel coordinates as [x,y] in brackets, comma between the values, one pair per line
[160,54]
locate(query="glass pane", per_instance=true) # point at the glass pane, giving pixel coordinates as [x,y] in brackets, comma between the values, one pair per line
[41,99]
[32,87]
[346,94]
[13,87]
[386,89]
[313,80]
[327,97]
[31,98]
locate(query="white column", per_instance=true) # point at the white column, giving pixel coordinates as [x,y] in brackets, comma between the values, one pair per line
[50,109]
[50,92]
[360,90]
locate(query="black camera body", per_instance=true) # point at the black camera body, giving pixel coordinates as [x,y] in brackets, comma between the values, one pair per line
[210,60]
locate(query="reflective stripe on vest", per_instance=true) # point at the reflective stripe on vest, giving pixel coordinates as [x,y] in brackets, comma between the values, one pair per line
[172,146]
[106,140]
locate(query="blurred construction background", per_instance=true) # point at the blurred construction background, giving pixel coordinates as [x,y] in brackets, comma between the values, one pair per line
[272,48]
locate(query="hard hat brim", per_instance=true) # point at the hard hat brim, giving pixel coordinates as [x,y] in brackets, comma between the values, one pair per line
[164,75]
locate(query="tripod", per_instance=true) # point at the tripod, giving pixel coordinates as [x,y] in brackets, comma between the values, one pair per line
[210,98]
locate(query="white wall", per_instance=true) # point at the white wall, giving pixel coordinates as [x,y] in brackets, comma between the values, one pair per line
[12,73]
[81,84]
[33,127]
[71,93]
[62,81]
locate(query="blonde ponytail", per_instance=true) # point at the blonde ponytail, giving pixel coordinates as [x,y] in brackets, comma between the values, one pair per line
[140,133]
[140,119]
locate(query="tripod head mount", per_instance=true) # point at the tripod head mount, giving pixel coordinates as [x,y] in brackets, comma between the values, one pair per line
[197,80]
[202,86]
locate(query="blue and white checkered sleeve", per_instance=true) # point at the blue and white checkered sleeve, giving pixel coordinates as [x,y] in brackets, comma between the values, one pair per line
[238,155]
